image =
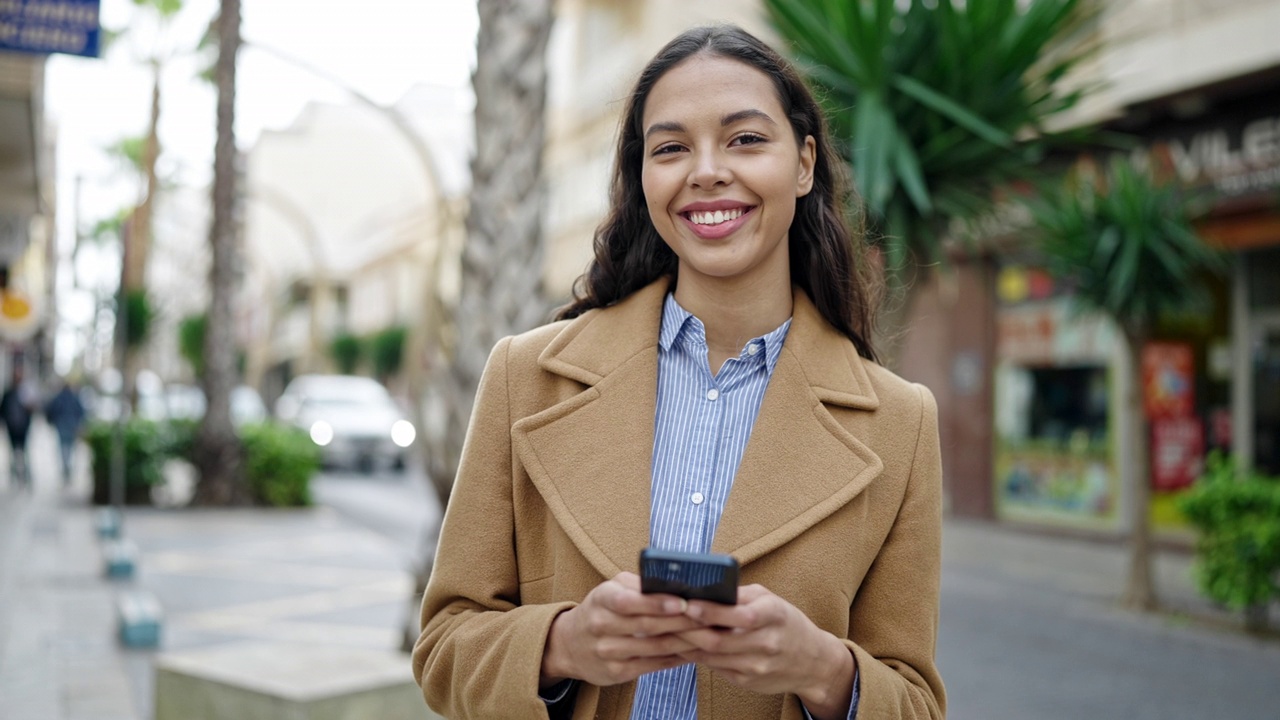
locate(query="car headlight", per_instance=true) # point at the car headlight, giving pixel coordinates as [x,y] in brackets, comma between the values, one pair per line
[402,433]
[321,433]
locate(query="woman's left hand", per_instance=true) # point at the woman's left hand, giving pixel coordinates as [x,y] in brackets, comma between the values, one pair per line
[767,645]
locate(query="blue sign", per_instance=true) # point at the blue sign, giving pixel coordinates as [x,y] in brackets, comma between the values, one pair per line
[50,26]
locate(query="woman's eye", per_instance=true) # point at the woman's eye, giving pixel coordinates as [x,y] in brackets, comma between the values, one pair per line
[748,139]
[666,149]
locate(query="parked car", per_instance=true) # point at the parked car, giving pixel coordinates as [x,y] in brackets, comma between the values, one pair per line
[354,420]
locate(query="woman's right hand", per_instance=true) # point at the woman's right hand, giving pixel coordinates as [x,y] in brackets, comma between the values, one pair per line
[616,635]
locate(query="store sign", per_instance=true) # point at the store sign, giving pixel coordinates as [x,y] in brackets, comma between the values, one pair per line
[1168,380]
[1177,452]
[1233,157]
[50,26]
[1050,333]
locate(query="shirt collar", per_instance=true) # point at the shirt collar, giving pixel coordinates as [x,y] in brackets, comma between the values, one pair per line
[678,324]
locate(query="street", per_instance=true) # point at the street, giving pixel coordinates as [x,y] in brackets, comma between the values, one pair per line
[1030,628]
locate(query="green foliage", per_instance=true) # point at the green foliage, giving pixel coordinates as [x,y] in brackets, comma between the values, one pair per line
[191,330]
[386,350]
[112,228]
[279,463]
[346,351]
[146,445]
[1126,245]
[936,103]
[1238,516]
[164,8]
[279,460]
[129,150]
[138,316]
[180,438]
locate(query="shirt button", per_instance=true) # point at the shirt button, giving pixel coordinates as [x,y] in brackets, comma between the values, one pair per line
[753,348]
[712,394]
[696,498]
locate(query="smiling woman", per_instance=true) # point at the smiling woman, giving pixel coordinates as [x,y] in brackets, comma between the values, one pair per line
[711,389]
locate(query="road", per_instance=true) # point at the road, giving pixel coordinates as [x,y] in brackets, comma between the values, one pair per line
[1030,629]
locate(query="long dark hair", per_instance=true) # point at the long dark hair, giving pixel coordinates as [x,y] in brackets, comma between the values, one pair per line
[828,261]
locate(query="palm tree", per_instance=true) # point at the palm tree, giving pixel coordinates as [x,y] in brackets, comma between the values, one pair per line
[1126,246]
[936,104]
[501,286]
[219,455]
[145,153]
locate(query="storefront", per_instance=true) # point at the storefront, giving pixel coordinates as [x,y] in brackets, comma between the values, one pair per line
[1210,380]
[1056,385]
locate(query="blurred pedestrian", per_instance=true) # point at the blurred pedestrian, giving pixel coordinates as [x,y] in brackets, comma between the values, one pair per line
[17,405]
[65,411]
[711,387]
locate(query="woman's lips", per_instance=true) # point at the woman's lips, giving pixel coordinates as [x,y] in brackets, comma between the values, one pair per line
[715,232]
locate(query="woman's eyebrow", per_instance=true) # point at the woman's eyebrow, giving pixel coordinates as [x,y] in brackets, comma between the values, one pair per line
[673,127]
[727,120]
[747,114]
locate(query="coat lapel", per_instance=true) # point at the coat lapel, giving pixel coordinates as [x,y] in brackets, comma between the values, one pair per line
[590,457]
[800,464]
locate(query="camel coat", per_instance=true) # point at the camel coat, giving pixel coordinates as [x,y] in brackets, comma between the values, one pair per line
[836,507]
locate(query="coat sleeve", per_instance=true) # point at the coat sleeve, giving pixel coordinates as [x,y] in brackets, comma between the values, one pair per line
[480,651]
[893,622]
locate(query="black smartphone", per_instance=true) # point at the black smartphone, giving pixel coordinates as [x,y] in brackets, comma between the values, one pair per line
[692,576]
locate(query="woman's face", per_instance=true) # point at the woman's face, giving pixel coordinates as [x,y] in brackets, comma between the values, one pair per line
[722,171]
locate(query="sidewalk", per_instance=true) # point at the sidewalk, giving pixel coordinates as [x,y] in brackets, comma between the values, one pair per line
[312,578]
[302,577]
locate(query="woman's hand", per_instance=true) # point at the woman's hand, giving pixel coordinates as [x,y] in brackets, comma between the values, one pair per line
[616,635]
[767,645]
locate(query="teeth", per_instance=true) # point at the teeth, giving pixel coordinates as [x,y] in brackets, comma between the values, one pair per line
[717,217]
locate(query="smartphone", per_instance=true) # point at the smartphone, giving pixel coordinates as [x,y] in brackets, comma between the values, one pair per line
[692,576]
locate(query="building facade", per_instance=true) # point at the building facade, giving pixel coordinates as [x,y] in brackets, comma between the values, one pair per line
[1029,394]
[27,252]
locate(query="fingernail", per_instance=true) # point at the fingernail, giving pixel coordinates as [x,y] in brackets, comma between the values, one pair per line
[671,607]
[694,612]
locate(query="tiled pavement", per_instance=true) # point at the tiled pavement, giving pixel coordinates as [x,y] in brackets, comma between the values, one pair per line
[301,577]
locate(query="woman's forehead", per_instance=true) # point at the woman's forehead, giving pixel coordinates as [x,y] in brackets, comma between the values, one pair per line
[713,85]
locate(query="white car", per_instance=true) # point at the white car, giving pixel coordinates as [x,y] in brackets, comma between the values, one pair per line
[353,419]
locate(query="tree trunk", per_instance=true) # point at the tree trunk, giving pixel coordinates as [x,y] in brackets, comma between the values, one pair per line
[1139,591]
[137,236]
[501,285]
[219,455]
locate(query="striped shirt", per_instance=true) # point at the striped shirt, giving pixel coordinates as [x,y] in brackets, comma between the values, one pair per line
[702,425]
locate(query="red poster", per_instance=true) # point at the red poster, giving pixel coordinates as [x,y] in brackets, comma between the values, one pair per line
[1168,380]
[1177,452]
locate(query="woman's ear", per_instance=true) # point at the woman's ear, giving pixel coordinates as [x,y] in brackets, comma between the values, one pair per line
[808,157]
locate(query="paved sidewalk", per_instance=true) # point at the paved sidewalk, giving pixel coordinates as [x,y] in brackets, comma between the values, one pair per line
[302,577]
[312,577]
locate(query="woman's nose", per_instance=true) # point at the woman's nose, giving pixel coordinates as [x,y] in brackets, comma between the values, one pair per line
[709,170]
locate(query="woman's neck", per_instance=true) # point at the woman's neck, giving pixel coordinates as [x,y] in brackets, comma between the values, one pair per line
[733,315]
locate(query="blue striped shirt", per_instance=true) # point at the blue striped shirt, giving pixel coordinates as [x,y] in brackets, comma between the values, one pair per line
[702,425]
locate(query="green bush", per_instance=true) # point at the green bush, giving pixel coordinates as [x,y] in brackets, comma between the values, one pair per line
[1238,516]
[191,331]
[180,438]
[146,446]
[138,315]
[279,463]
[386,351]
[345,349]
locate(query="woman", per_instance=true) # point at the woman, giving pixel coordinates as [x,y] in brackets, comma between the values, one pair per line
[711,388]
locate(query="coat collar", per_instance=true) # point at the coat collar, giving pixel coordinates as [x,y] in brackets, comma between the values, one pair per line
[800,464]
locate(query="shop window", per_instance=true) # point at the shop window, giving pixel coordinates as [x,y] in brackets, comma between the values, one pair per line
[1053,450]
